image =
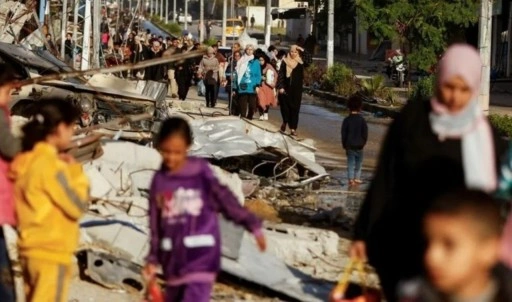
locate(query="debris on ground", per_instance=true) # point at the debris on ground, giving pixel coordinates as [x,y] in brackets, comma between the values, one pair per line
[273,175]
[263,210]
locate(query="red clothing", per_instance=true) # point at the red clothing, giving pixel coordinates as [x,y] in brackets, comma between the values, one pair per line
[6,186]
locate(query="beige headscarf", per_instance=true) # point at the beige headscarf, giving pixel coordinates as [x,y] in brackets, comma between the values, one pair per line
[292,63]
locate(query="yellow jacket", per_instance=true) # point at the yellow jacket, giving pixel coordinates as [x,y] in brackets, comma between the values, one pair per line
[50,197]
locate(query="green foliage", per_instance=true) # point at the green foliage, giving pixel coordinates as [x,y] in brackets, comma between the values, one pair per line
[424,25]
[374,87]
[340,79]
[424,89]
[313,74]
[210,42]
[503,123]
[172,28]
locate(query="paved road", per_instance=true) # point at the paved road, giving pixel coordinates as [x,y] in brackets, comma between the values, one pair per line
[321,121]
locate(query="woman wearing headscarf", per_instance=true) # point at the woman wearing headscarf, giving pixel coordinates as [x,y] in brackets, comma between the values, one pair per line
[289,85]
[9,147]
[267,90]
[237,55]
[431,148]
[183,76]
[209,72]
[247,79]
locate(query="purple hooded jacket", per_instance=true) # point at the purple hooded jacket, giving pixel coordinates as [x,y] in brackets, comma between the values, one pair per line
[184,224]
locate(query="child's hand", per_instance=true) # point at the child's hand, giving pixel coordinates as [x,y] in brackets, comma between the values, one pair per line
[68,158]
[261,241]
[149,271]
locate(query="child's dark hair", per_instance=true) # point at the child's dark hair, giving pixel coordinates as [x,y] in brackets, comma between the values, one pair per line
[480,207]
[355,103]
[265,57]
[46,117]
[173,126]
[8,74]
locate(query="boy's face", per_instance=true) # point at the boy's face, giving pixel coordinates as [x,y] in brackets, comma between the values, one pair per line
[458,253]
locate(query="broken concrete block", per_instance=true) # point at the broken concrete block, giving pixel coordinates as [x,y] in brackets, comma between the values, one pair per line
[118,177]
[131,241]
[303,251]
[100,186]
[232,181]
[112,272]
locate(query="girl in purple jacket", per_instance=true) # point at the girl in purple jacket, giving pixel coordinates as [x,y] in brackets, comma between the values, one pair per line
[185,198]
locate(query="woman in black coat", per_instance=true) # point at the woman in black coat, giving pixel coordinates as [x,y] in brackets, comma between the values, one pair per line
[184,74]
[289,87]
[432,148]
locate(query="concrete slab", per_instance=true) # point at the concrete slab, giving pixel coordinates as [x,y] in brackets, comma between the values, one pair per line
[269,271]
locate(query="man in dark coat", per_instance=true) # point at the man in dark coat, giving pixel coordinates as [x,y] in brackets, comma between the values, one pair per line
[157,72]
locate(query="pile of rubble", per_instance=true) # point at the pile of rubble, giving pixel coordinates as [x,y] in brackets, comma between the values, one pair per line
[270,172]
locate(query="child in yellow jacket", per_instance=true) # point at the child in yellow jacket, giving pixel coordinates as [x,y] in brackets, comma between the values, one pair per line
[51,194]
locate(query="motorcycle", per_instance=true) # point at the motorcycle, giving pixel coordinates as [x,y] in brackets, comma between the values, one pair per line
[397,69]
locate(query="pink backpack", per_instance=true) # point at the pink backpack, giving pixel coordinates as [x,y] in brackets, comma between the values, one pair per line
[7,215]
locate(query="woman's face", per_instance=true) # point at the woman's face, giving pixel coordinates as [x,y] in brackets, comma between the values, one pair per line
[455,94]
[249,51]
[237,56]
[262,62]
[294,54]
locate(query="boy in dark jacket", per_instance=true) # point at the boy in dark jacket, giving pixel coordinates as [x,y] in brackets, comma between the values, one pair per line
[463,233]
[354,134]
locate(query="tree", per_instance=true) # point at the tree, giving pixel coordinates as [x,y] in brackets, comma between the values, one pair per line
[344,13]
[424,26]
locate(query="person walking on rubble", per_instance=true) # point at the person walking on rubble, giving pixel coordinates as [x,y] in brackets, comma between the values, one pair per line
[184,74]
[9,147]
[185,198]
[209,72]
[354,135]
[267,90]
[289,85]
[247,77]
[51,194]
[431,148]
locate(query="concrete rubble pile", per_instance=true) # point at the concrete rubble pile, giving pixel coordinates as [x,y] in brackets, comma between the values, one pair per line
[115,230]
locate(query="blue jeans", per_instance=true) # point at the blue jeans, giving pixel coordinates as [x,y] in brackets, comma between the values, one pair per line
[354,161]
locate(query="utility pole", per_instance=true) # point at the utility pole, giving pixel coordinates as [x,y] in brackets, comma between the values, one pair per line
[75,30]
[86,43]
[330,34]
[268,31]
[162,10]
[166,11]
[64,29]
[96,33]
[185,27]
[224,17]
[484,46]
[202,26]
[151,7]
[174,11]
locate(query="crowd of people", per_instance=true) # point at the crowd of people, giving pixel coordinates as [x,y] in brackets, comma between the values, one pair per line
[259,79]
